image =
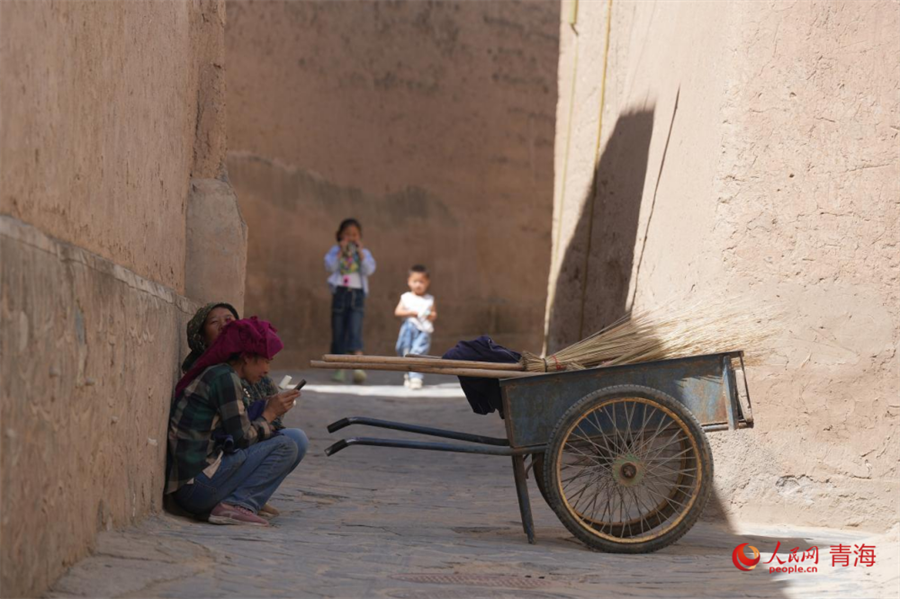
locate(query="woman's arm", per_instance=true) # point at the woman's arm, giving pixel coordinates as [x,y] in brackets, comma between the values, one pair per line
[331,259]
[259,394]
[226,395]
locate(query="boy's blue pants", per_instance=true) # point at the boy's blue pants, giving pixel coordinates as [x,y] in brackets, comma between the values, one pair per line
[412,341]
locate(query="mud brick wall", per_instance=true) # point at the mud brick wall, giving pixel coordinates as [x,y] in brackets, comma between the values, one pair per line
[111,156]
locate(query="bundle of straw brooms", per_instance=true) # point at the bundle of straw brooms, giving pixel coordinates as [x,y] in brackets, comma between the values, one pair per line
[698,327]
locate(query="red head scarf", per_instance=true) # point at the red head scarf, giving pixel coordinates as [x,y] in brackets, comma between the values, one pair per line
[249,335]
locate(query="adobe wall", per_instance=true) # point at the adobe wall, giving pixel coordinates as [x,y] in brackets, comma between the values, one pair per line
[90,353]
[432,123]
[81,119]
[111,136]
[748,149]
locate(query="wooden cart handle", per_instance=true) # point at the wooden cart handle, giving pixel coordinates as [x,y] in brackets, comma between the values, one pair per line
[432,362]
[406,367]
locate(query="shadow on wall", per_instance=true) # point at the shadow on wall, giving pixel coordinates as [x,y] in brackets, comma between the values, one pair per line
[592,286]
[595,276]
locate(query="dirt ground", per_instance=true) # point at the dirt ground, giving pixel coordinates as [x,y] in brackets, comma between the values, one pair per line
[376,522]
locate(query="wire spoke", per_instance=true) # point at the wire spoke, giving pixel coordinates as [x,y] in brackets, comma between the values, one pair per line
[593,503]
[630,431]
[581,491]
[605,491]
[659,429]
[571,447]
[596,485]
[586,438]
[616,430]
[669,500]
[654,465]
[579,474]
[603,436]
[646,445]
[675,438]
[589,473]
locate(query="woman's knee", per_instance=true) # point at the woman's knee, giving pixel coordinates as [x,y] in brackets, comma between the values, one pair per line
[300,440]
[284,447]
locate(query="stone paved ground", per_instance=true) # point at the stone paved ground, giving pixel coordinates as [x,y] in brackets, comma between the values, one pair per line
[376,522]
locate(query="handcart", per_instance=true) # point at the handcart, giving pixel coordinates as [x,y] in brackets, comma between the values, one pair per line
[619,453]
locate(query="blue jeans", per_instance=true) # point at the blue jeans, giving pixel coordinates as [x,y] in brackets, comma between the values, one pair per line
[348,306]
[247,477]
[412,341]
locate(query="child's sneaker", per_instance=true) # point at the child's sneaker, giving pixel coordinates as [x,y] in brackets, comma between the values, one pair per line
[359,377]
[225,513]
[415,384]
[338,376]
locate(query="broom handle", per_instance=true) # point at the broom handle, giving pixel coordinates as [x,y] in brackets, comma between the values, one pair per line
[430,362]
[470,372]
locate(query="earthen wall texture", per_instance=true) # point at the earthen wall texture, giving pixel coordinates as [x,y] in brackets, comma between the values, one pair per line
[99,108]
[748,149]
[102,127]
[430,122]
[89,355]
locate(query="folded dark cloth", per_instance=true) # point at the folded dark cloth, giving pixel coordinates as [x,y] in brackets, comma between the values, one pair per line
[483,394]
[256,409]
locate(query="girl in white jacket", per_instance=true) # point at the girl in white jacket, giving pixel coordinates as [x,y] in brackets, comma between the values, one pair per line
[349,265]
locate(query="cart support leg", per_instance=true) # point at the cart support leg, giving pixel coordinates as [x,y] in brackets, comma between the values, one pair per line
[522,491]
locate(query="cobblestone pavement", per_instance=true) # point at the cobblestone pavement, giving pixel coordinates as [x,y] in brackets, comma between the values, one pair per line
[377,522]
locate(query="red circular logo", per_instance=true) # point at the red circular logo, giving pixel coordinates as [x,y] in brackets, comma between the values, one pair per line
[741,560]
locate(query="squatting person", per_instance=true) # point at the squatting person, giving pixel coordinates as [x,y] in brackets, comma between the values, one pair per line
[223,458]
[203,328]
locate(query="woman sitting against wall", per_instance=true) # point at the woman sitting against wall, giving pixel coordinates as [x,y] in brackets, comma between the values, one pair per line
[226,457]
[202,330]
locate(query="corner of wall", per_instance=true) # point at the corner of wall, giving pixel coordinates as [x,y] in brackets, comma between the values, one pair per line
[216,233]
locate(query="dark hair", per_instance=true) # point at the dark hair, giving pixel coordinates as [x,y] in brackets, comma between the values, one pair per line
[347,222]
[420,269]
[238,355]
[228,307]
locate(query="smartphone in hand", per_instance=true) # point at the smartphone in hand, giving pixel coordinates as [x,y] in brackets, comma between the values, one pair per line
[300,385]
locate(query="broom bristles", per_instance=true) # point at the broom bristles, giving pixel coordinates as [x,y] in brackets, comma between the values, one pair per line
[702,326]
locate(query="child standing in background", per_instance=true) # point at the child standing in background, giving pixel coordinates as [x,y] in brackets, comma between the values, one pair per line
[349,265]
[417,308]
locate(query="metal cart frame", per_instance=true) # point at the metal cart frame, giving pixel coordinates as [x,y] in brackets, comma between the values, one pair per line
[713,388]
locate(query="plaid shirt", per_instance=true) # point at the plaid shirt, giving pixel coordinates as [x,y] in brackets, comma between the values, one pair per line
[261,391]
[215,398]
[258,391]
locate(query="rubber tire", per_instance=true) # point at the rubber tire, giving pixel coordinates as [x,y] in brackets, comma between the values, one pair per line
[583,406]
[538,471]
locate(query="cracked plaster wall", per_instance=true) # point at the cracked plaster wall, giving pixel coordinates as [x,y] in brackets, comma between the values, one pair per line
[111,128]
[777,177]
[431,122]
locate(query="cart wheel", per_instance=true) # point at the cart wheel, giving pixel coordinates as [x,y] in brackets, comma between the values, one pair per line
[537,461]
[628,470]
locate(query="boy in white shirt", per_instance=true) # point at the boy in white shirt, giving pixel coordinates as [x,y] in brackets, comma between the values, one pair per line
[417,309]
